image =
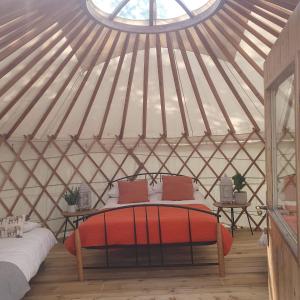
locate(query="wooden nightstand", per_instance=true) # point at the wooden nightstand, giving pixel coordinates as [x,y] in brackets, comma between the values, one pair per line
[80,215]
[232,206]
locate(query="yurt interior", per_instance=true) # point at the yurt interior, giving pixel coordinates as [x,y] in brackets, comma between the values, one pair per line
[149,149]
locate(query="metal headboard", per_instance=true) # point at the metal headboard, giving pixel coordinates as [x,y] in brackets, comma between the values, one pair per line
[154,176]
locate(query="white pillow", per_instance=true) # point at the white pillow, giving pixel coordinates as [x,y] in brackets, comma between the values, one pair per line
[113,192]
[12,226]
[155,197]
[111,202]
[198,196]
[156,187]
[28,226]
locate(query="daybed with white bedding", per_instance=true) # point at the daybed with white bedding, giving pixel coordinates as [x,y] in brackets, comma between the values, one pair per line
[20,260]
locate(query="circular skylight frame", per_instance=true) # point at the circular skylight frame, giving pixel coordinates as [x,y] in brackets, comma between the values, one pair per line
[148,26]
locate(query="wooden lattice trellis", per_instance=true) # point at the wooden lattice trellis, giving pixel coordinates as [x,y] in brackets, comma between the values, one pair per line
[35,174]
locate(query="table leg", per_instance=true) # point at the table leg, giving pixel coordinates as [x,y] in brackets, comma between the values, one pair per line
[75,222]
[232,221]
[66,223]
[248,217]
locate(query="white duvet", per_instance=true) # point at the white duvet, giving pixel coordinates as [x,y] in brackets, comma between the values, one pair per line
[28,252]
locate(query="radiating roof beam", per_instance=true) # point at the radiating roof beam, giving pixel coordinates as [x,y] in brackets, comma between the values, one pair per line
[118,9]
[185,8]
[152,12]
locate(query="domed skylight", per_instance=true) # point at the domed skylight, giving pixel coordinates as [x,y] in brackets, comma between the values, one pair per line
[151,15]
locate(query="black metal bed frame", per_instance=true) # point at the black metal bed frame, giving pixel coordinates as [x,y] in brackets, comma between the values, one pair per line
[149,246]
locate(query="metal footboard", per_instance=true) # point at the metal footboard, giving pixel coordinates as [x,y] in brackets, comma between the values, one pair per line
[149,246]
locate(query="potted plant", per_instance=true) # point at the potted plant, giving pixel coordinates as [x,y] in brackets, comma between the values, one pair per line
[72,199]
[239,182]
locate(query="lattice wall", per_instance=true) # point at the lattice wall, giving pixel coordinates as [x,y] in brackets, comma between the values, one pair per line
[34,174]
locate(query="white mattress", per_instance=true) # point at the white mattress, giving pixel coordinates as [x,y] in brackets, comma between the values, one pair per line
[29,252]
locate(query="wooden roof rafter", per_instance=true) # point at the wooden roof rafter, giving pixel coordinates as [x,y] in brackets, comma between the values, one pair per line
[177,84]
[185,8]
[114,84]
[55,25]
[242,10]
[236,16]
[152,12]
[289,5]
[161,84]
[66,82]
[237,46]
[73,34]
[193,82]
[206,73]
[18,22]
[13,14]
[83,83]
[226,20]
[19,30]
[145,85]
[100,79]
[59,69]
[69,23]
[118,9]
[228,80]
[14,5]
[238,69]
[275,9]
[129,84]
[263,13]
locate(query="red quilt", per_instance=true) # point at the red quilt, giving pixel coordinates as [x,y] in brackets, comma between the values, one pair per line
[173,222]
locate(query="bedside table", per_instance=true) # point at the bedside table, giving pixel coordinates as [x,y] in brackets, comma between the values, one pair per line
[232,206]
[79,215]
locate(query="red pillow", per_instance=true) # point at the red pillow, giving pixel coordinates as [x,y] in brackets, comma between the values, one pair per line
[177,188]
[133,191]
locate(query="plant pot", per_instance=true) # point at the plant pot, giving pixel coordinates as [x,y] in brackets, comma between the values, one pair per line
[72,208]
[240,197]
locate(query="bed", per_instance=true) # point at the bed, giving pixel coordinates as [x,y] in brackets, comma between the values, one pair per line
[20,260]
[157,223]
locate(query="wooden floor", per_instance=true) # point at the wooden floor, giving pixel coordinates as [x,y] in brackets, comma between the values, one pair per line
[246,278]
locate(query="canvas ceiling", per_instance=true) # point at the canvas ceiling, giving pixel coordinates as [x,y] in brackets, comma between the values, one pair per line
[62,73]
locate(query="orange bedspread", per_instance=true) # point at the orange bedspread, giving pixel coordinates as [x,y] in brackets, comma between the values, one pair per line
[173,221]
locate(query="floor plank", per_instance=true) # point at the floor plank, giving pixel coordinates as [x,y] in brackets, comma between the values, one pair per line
[246,276]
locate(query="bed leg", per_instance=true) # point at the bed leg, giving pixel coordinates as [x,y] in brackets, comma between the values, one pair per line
[220,251]
[79,255]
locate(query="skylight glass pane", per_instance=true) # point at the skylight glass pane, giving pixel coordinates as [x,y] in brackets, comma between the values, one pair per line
[107,6]
[135,10]
[168,9]
[193,5]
